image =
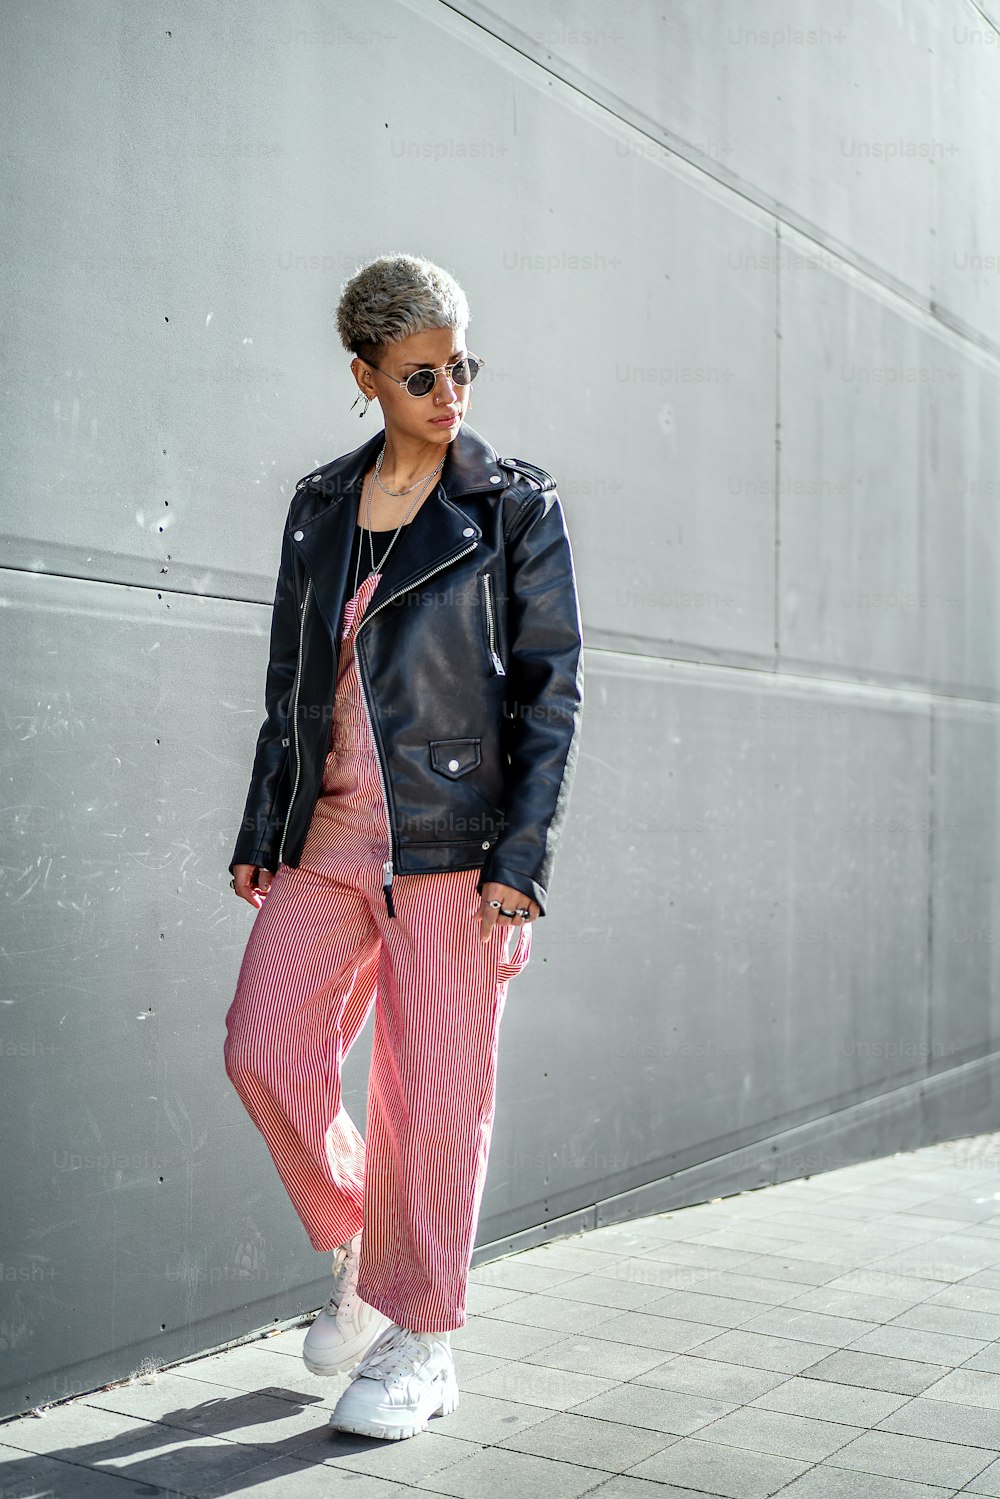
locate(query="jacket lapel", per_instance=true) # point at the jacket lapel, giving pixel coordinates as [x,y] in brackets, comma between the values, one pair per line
[439,532]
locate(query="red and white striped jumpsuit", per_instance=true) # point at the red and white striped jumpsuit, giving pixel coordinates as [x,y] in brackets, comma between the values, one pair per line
[322,949]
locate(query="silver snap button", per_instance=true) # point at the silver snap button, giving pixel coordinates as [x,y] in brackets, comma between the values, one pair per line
[297,535]
[469,531]
[494,478]
[452,764]
[486,844]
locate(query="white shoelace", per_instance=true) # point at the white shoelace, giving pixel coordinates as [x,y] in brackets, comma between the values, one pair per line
[400,1352]
[342,1276]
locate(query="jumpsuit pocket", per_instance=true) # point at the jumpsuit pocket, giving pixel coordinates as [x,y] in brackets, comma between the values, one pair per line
[512,965]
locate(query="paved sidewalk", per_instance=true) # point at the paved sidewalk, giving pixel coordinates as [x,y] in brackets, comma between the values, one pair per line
[830,1337]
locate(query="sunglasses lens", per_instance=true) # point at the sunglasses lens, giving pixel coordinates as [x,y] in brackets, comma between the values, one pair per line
[421,382]
[466,370]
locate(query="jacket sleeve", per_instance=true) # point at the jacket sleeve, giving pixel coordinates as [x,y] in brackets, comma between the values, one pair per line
[545,696]
[267,800]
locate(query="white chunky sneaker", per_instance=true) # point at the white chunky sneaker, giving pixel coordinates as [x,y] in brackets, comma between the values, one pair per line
[346,1328]
[407,1378]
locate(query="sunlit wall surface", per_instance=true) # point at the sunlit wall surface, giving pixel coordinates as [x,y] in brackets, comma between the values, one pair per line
[735,277]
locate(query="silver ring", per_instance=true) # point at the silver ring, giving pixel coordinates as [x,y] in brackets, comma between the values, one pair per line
[522,911]
[505,912]
[493,903]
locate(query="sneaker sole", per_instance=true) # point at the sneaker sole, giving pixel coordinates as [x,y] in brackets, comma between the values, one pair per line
[361,1427]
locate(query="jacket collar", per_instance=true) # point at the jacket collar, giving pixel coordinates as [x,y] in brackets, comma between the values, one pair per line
[471,464]
[439,532]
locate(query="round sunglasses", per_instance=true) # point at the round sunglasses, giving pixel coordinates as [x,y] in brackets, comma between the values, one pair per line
[422,382]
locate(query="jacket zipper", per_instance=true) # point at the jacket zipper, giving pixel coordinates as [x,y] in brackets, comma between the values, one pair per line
[498,666]
[387,866]
[295,717]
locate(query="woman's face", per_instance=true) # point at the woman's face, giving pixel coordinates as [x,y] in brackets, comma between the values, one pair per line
[414,417]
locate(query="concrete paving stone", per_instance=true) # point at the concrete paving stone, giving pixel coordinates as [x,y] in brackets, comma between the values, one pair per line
[251,1418]
[29,1475]
[988,1360]
[712,1468]
[507,1340]
[987,1230]
[792,1321]
[780,1267]
[570,1256]
[899,1341]
[691,1306]
[700,1256]
[597,1356]
[246,1368]
[780,1433]
[854,1304]
[86,1433]
[409,1461]
[655,1410]
[665,1275]
[665,1333]
[509,1275]
[824,1482]
[585,1439]
[534,1384]
[549,1311]
[967,1387]
[759,1288]
[711,1377]
[916,1458]
[760,1351]
[745,1240]
[824,1400]
[932,1223]
[936,1261]
[806,1221]
[480,1300]
[144,1452]
[603,1290]
[962,1205]
[872,1282]
[945,1420]
[875,1372]
[184,1401]
[932,1316]
[618,1235]
[841,1253]
[289,1341]
[987,1482]
[287,1478]
[989,1278]
[468,1364]
[662,1275]
[498,1470]
[623,1487]
[483,1419]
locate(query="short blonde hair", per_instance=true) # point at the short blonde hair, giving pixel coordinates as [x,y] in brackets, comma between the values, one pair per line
[394,296]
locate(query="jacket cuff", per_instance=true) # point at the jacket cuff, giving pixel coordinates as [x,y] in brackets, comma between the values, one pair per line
[502,874]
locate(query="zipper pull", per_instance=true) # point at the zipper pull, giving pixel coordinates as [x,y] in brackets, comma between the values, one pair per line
[497,664]
[387,886]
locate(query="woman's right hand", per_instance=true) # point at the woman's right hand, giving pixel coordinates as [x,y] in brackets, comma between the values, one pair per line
[252,883]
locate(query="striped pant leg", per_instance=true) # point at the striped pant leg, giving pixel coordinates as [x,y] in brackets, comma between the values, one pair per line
[441,993]
[306,986]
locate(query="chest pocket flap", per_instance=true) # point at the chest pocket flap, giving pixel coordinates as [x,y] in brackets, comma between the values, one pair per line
[455,757]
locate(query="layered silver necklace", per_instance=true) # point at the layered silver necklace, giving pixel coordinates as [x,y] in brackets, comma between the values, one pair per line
[396,494]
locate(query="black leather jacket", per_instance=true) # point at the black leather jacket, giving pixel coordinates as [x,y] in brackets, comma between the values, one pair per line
[470,659]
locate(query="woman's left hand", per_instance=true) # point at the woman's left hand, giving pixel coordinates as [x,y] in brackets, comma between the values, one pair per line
[510,899]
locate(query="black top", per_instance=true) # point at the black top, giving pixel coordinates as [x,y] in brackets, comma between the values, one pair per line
[380,540]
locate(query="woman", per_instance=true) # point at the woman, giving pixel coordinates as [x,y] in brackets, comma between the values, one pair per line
[424,693]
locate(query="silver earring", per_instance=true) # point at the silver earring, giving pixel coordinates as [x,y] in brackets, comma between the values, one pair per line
[361,396]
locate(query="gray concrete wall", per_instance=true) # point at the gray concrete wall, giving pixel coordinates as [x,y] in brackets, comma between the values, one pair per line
[732,273]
